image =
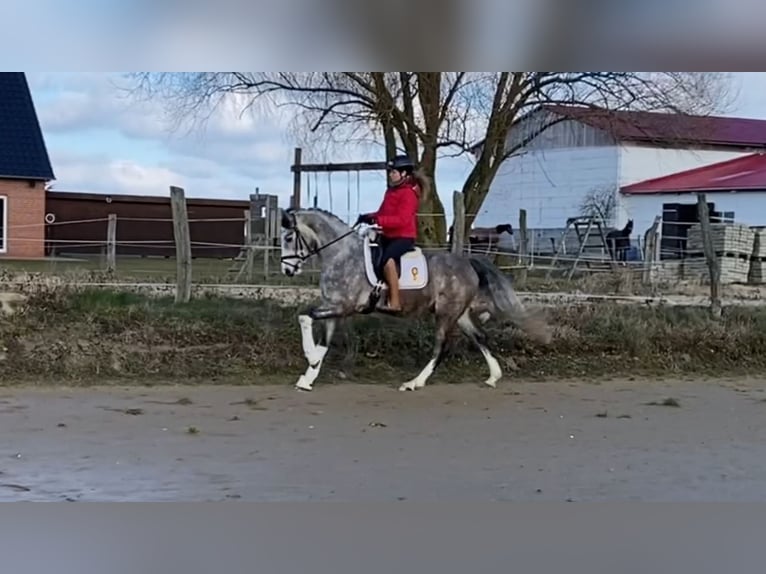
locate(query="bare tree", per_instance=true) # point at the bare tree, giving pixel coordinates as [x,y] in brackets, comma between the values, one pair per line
[428,114]
[600,202]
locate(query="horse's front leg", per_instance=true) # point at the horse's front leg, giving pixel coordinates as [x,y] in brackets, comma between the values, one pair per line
[314,353]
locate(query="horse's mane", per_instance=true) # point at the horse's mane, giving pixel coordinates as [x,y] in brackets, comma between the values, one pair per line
[311,235]
[319,210]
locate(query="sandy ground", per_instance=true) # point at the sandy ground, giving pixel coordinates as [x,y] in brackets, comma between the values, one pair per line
[561,441]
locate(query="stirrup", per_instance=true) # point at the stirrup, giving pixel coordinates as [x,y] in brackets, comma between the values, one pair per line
[388,311]
[386,308]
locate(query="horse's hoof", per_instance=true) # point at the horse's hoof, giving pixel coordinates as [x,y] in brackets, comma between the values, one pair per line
[408,387]
[302,385]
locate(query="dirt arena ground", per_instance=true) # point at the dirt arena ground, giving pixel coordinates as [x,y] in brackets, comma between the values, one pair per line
[556,441]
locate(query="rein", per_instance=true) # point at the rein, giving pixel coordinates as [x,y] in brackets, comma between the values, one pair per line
[302,243]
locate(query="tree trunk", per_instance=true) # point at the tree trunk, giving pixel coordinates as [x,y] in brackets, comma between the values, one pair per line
[432,224]
[475,189]
[389,136]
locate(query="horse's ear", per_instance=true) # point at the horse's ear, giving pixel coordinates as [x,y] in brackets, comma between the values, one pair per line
[287,221]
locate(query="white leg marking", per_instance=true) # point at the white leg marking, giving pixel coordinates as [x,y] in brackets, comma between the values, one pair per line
[495,372]
[317,356]
[307,334]
[306,380]
[314,354]
[420,381]
[303,384]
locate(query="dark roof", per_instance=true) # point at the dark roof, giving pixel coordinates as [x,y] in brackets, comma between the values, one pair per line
[146,199]
[661,127]
[746,173]
[22,148]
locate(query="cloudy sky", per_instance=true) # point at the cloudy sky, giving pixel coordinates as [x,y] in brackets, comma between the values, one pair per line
[101,141]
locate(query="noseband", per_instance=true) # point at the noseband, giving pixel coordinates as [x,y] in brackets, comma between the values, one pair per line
[301,244]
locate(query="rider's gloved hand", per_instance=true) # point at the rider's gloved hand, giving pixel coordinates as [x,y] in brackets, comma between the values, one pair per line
[366,218]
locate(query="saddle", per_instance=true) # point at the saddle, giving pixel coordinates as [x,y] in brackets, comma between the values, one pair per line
[413,272]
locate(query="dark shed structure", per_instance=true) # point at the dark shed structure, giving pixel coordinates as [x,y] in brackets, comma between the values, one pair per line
[77,224]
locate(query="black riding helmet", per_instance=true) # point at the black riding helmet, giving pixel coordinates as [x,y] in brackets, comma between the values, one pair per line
[401,163]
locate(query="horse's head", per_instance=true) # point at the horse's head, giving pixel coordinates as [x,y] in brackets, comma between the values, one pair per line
[297,241]
[309,232]
[629,227]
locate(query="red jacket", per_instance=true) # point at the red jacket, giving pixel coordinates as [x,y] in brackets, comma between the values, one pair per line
[398,214]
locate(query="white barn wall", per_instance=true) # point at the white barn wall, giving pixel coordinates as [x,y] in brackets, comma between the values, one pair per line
[548,179]
[550,185]
[638,163]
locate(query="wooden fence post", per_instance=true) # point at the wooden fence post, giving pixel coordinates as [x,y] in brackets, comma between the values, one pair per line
[183,245]
[295,200]
[111,243]
[458,224]
[523,248]
[651,251]
[249,245]
[270,231]
[712,260]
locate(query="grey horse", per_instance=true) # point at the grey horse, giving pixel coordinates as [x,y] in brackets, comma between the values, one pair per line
[458,289]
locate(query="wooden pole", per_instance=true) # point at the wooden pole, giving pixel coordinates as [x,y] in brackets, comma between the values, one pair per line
[712,260]
[111,243]
[651,251]
[271,231]
[523,248]
[183,245]
[458,224]
[339,167]
[295,202]
[249,250]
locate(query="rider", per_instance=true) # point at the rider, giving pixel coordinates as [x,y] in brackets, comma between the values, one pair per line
[397,217]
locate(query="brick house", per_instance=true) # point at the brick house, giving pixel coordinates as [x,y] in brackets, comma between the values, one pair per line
[25,169]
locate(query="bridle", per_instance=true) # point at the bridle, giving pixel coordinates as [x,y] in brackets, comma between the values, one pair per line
[302,244]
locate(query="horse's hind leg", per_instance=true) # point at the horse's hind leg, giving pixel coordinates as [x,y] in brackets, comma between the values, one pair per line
[478,338]
[442,328]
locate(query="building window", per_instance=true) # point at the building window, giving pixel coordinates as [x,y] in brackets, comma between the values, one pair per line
[3,224]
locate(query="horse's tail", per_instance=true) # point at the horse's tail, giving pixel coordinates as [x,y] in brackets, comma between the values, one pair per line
[498,289]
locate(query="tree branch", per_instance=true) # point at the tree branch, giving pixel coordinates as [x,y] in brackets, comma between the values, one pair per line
[435,111]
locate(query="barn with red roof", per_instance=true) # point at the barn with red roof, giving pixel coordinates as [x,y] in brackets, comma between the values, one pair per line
[735,190]
[638,165]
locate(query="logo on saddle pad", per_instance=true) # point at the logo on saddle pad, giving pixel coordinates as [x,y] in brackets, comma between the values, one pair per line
[414,270]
